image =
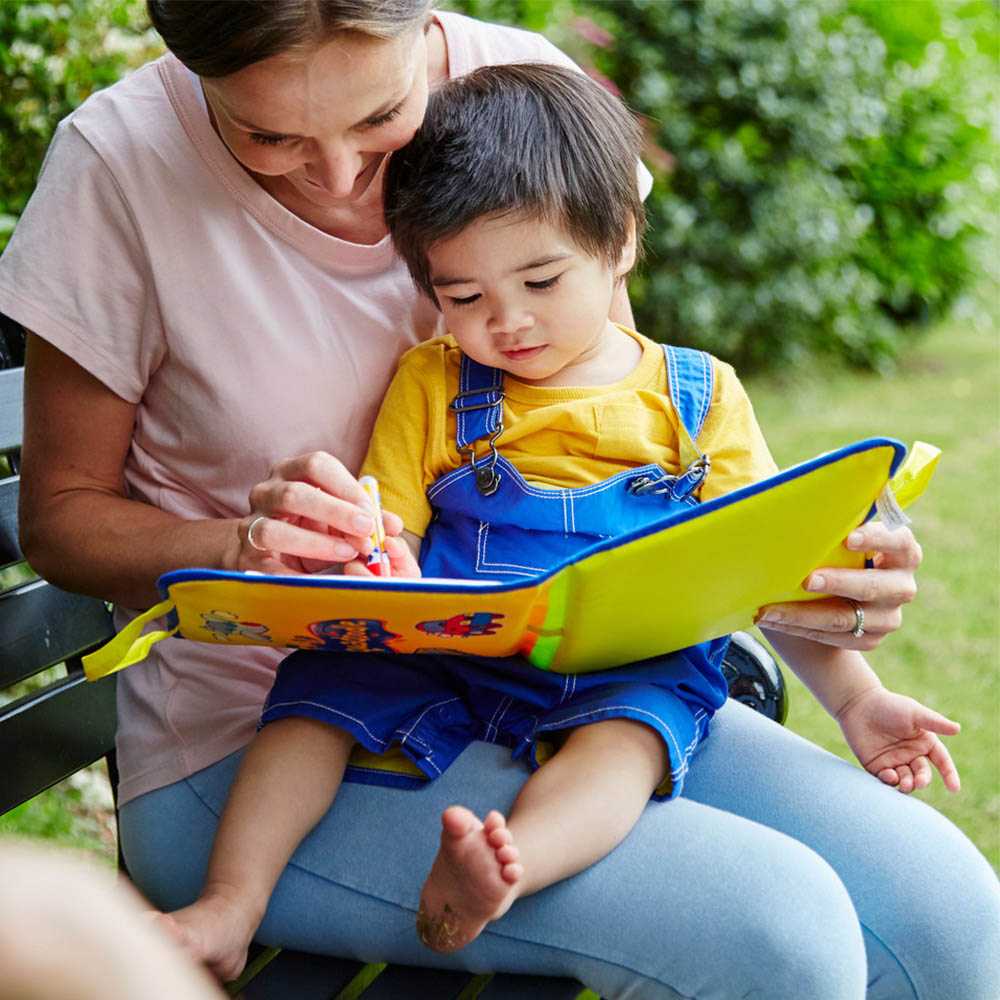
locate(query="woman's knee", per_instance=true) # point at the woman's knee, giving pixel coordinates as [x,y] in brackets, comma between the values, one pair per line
[754,914]
[804,934]
[938,936]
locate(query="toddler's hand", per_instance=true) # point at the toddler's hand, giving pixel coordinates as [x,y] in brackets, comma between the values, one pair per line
[895,738]
[401,560]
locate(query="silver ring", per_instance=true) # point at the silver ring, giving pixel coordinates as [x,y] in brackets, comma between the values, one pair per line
[259,548]
[859,630]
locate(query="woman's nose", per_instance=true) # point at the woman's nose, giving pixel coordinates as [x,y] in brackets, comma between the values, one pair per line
[335,167]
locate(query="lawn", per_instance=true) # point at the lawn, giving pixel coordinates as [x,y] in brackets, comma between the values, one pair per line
[948,653]
[947,392]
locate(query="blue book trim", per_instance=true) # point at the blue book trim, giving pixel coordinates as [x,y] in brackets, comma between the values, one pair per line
[460,586]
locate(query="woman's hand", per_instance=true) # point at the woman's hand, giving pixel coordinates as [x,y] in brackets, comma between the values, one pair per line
[308,515]
[880,592]
[895,738]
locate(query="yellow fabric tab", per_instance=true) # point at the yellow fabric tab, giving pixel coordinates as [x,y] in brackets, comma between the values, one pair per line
[129,646]
[915,473]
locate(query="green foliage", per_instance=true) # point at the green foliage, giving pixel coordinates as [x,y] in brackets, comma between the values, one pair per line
[928,175]
[823,168]
[52,57]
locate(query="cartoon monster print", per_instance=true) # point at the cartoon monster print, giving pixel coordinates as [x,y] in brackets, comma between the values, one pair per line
[225,625]
[463,626]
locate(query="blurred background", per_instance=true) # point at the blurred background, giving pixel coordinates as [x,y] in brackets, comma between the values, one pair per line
[825,216]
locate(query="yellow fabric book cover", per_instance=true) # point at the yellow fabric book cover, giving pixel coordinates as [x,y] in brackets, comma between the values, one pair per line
[671,584]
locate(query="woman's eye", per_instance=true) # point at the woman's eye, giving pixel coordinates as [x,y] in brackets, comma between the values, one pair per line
[386,118]
[466,300]
[263,139]
[545,283]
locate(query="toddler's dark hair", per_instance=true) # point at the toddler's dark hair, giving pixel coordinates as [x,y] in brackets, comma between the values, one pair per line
[525,139]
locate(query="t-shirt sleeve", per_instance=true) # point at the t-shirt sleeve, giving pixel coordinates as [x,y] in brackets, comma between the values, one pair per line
[398,454]
[732,438]
[75,271]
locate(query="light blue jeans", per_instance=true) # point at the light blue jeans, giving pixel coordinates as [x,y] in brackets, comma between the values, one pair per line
[781,872]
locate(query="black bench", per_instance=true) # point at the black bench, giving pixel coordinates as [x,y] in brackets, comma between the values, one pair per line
[66,724]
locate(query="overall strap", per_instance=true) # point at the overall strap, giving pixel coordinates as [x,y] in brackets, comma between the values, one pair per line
[478,409]
[691,380]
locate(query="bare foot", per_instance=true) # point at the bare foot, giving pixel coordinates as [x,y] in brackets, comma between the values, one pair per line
[473,880]
[214,931]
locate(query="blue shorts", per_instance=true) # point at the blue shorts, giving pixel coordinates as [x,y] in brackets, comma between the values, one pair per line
[432,706]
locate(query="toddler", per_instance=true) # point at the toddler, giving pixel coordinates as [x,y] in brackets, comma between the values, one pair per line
[536,427]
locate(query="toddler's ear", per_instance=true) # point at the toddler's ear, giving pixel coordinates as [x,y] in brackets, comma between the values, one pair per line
[627,259]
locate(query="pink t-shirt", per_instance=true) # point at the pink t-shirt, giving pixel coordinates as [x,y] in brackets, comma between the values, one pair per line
[244,334]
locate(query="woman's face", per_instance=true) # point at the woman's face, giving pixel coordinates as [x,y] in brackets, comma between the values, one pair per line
[317,125]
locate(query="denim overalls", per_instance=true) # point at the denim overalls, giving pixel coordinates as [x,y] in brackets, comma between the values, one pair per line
[488,522]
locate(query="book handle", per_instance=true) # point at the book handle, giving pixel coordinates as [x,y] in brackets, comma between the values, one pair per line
[129,645]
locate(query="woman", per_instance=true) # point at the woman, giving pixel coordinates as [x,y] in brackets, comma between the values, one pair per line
[205,271]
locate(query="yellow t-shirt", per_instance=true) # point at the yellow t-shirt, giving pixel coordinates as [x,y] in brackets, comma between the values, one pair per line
[557,436]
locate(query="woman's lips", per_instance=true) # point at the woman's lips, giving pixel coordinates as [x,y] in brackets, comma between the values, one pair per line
[523,353]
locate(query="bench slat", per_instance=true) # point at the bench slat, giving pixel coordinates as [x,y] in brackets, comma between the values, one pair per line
[11,408]
[518,987]
[10,549]
[417,983]
[41,625]
[298,975]
[51,734]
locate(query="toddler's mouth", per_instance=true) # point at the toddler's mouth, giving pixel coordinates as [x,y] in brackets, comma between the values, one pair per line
[523,353]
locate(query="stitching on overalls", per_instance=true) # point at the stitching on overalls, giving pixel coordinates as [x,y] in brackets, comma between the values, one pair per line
[497,567]
[417,720]
[605,709]
[336,712]
[491,726]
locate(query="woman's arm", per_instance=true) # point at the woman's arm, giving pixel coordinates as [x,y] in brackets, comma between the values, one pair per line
[881,592]
[80,530]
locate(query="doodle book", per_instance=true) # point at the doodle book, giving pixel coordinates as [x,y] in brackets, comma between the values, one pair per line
[679,581]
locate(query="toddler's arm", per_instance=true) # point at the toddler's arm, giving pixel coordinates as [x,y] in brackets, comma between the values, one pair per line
[893,736]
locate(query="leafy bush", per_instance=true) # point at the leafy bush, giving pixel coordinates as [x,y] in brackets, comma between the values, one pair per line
[822,169]
[52,56]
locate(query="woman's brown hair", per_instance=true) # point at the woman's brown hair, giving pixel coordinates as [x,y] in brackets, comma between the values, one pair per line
[218,37]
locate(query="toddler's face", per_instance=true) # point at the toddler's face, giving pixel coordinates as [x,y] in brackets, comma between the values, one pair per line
[521,295]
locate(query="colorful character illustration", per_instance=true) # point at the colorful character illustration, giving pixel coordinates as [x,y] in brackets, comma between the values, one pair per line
[225,625]
[350,635]
[463,626]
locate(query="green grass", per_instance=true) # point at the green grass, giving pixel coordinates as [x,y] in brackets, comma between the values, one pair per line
[948,653]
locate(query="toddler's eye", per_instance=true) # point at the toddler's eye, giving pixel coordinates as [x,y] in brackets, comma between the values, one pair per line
[264,139]
[466,300]
[540,285]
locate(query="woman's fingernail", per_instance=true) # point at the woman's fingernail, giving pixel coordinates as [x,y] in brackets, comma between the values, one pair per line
[769,616]
[855,539]
[362,524]
[344,551]
[815,583]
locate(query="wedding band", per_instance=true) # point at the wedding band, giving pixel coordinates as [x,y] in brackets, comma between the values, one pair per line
[259,548]
[858,631]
